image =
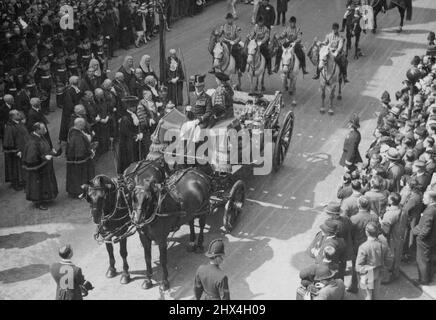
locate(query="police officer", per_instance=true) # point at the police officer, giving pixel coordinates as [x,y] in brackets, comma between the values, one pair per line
[261,34]
[202,109]
[210,281]
[291,34]
[230,33]
[336,43]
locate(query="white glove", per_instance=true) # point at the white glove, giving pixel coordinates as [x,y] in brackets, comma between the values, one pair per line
[97,118]
[307,296]
[48,157]
[152,122]
[188,108]
[19,154]
[232,42]
[139,137]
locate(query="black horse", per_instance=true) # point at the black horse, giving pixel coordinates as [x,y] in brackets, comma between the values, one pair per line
[403,6]
[353,30]
[160,209]
[110,212]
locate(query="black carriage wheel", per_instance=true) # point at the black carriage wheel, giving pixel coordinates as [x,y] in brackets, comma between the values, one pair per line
[234,205]
[283,141]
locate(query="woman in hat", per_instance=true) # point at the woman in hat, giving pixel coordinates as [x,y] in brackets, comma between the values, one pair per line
[351,156]
[175,76]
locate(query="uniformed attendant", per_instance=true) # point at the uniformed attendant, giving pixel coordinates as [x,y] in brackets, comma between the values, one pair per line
[291,34]
[68,277]
[261,34]
[230,33]
[336,43]
[210,281]
[222,99]
[202,109]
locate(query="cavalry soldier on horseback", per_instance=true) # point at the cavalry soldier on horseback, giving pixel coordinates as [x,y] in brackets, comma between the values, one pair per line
[291,34]
[230,33]
[336,44]
[261,34]
[351,6]
[210,281]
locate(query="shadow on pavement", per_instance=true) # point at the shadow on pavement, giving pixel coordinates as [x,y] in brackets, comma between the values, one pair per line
[25,239]
[28,272]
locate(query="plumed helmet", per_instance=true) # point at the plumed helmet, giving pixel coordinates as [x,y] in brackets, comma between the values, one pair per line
[216,248]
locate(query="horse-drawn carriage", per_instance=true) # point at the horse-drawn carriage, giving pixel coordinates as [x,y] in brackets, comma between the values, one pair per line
[160,196]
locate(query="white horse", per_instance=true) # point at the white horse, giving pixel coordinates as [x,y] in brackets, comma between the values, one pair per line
[224,62]
[290,67]
[330,77]
[256,66]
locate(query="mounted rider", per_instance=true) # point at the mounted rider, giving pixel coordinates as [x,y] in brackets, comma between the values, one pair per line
[292,34]
[261,35]
[336,44]
[351,6]
[230,33]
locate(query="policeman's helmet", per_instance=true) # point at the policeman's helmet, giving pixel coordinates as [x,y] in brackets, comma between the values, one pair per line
[216,248]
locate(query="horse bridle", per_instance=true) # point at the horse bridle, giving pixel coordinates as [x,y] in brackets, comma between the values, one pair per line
[324,68]
[222,58]
[257,50]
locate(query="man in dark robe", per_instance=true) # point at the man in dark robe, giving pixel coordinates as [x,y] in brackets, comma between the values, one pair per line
[80,162]
[175,78]
[139,85]
[129,73]
[130,138]
[35,115]
[126,26]
[41,183]
[80,112]
[5,107]
[15,137]
[23,100]
[120,86]
[72,98]
[103,122]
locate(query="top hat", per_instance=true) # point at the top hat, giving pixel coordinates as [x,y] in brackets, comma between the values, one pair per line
[333,208]
[216,248]
[199,80]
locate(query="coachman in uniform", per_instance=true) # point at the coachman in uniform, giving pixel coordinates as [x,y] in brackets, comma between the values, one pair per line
[41,183]
[222,99]
[210,281]
[202,109]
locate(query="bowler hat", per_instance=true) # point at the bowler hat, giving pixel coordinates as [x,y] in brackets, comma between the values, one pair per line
[216,248]
[419,164]
[323,272]
[329,227]
[393,154]
[333,208]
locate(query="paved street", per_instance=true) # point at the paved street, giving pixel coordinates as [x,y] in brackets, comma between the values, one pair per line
[266,250]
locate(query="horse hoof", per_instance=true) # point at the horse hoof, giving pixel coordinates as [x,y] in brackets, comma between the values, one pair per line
[331,112]
[339,97]
[125,278]
[111,273]
[199,249]
[190,247]
[147,284]
[400,30]
[165,286]
[322,110]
